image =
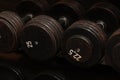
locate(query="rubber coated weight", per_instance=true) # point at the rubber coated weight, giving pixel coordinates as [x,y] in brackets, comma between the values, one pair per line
[84,41]
[41,35]
[10,28]
[66,12]
[112,56]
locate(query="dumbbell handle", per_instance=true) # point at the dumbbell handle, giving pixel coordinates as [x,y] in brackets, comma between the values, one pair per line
[27,18]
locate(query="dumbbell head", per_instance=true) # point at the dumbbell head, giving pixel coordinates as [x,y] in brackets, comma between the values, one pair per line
[41,37]
[9,72]
[112,56]
[10,27]
[66,12]
[84,40]
[107,13]
[83,43]
[34,7]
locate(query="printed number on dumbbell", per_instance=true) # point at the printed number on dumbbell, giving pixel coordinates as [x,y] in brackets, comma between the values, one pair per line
[29,44]
[75,54]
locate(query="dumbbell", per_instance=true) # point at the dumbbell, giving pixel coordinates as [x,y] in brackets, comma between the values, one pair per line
[84,41]
[67,12]
[60,10]
[10,27]
[112,56]
[41,37]
[112,46]
[12,22]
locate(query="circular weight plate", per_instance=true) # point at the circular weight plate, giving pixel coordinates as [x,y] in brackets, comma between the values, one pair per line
[90,44]
[40,38]
[38,43]
[112,56]
[55,26]
[107,13]
[7,37]
[66,12]
[13,19]
[11,25]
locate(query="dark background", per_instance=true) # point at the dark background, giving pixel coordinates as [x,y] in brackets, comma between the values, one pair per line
[99,72]
[8,4]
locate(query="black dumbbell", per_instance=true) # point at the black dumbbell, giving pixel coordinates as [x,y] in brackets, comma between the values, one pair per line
[112,56]
[60,10]
[10,27]
[41,37]
[84,41]
[112,48]
[67,12]
[12,24]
